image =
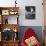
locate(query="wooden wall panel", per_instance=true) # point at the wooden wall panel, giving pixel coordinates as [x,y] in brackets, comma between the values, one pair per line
[44,6]
[45,35]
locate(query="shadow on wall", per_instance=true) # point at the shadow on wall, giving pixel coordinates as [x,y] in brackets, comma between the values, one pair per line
[37,29]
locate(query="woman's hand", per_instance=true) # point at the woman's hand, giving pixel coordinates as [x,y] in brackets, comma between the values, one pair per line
[32,41]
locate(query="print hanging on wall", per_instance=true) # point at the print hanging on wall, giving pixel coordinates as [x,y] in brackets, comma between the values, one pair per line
[30,12]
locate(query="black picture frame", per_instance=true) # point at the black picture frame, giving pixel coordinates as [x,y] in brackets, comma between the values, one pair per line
[30,12]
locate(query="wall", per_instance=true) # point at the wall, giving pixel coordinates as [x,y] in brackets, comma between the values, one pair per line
[39,13]
[22,21]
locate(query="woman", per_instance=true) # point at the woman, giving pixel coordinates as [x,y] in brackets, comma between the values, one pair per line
[30,38]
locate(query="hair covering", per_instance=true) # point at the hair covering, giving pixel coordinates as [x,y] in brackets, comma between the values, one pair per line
[29,33]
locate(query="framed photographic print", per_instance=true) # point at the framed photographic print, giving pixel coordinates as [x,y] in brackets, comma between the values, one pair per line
[30,12]
[5,12]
